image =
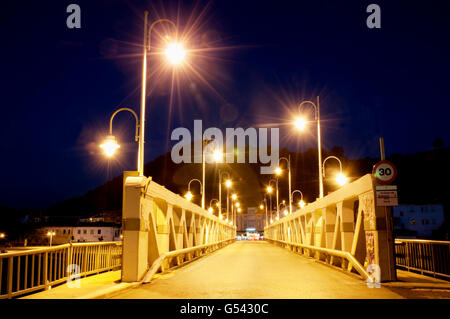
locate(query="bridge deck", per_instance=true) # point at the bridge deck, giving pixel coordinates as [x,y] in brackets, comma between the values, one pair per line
[255,270]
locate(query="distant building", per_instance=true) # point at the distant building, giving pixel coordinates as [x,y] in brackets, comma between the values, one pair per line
[250,219]
[417,220]
[92,232]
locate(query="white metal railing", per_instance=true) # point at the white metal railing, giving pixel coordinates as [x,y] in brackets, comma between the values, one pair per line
[165,261]
[429,257]
[344,229]
[38,269]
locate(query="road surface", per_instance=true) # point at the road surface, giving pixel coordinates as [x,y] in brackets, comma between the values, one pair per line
[256,270]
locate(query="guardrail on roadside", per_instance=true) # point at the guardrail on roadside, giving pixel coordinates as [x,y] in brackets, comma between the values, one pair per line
[344,229]
[38,269]
[429,257]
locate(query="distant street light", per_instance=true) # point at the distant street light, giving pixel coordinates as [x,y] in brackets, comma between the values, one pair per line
[288,162]
[215,155]
[301,203]
[340,178]
[228,185]
[276,188]
[51,234]
[300,124]
[2,235]
[189,194]
[211,209]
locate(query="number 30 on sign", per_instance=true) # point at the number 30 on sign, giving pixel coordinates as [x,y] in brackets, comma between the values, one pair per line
[384,172]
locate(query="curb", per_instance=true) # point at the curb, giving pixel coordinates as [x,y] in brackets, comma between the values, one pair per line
[414,285]
[105,293]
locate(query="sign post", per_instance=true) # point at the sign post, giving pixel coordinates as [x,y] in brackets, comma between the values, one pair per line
[384,173]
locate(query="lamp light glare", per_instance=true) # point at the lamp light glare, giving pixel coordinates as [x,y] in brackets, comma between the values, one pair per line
[188,196]
[175,53]
[300,124]
[341,179]
[109,146]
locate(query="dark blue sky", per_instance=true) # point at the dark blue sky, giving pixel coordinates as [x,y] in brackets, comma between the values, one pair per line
[60,86]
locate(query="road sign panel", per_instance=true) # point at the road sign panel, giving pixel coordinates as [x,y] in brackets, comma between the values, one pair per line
[384,172]
[387,198]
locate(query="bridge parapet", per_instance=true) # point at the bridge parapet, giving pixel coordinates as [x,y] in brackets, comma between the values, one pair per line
[157,221]
[344,228]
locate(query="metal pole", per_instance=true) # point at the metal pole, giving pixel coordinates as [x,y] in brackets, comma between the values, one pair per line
[143,97]
[290,195]
[265,204]
[319,149]
[270,199]
[278,212]
[220,193]
[204,169]
[383,157]
[228,200]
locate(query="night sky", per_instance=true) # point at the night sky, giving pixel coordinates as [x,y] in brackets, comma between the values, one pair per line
[252,63]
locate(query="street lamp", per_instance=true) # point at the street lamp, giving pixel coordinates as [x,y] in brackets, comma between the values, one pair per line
[234,198]
[285,211]
[340,178]
[269,191]
[276,187]
[51,234]
[110,145]
[288,162]
[211,209]
[175,54]
[301,203]
[189,195]
[228,185]
[217,154]
[300,124]
[2,235]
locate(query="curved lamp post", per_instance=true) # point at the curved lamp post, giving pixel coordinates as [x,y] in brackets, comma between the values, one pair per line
[228,185]
[301,202]
[341,179]
[269,191]
[110,145]
[276,188]
[211,209]
[175,54]
[189,194]
[288,162]
[300,123]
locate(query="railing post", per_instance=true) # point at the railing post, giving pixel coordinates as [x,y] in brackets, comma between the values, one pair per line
[69,259]
[97,259]
[9,281]
[45,269]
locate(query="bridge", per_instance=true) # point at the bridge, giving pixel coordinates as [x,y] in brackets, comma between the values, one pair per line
[339,246]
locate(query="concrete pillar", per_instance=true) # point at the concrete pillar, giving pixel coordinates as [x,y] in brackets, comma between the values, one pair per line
[379,247]
[134,223]
[329,216]
[345,210]
[161,211]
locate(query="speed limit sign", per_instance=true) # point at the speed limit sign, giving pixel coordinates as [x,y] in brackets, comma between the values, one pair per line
[384,172]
